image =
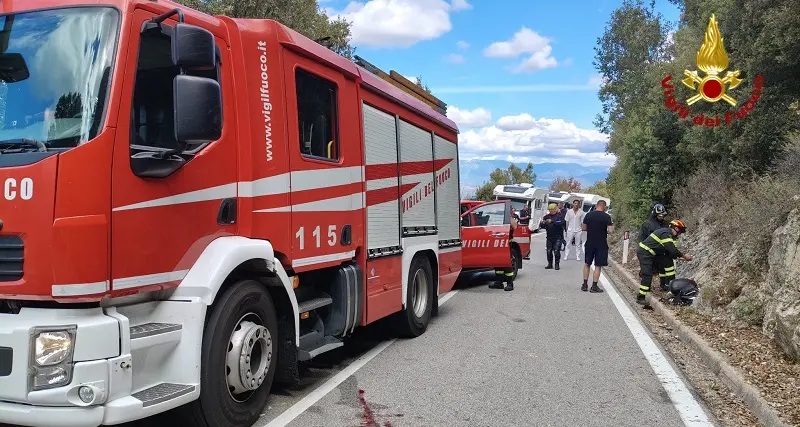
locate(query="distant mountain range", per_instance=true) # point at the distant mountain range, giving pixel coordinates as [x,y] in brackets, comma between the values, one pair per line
[475,172]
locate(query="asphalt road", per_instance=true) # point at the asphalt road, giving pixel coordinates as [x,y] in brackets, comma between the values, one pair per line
[545,354]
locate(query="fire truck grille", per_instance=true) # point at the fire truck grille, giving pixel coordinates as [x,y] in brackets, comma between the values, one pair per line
[11,251]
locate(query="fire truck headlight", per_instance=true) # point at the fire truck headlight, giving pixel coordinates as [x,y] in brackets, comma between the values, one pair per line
[52,352]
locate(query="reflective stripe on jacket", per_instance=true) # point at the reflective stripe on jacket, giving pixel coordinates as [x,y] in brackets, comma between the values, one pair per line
[661,242]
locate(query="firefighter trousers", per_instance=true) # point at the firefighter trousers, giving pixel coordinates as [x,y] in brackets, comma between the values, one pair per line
[646,265]
[552,246]
[666,271]
[504,275]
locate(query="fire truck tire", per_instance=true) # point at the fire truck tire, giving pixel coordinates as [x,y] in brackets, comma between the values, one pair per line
[239,358]
[516,260]
[413,320]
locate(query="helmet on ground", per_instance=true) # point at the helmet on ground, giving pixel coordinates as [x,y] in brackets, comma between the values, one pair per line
[684,291]
[678,225]
[659,209]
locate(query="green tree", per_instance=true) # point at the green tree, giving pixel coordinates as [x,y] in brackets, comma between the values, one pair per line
[304,16]
[656,150]
[599,187]
[632,56]
[511,175]
[571,184]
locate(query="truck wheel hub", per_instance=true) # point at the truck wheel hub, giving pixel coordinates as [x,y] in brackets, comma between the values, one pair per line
[249,357]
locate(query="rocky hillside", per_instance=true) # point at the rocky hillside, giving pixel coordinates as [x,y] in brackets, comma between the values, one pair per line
[741,283]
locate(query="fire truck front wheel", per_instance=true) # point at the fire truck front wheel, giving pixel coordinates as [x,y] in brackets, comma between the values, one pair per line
[516,261]
[239,358]
[414,319]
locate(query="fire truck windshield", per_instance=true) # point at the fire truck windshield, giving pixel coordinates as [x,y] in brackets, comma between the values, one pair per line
[55,67]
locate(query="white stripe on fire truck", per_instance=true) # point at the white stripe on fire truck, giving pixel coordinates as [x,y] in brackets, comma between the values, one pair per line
[319,178]
[448,250]
[79,289]
[213,193]
[381,183]
[278,184]
[271,185]
[149,279]
[302,262]
[352,202]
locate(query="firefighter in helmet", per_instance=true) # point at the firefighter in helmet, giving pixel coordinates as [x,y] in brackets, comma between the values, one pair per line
[658,245]
[664,266]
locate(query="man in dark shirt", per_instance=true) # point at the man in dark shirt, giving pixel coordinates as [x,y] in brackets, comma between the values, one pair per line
[555,225]
[597,224]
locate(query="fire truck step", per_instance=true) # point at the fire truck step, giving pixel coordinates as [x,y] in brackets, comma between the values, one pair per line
[151,329]
[326,344]
[314,303]
[163,392]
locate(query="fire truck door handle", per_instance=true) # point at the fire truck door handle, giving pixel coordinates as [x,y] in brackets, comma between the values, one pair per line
[227,212]
[347,235]
[499,234]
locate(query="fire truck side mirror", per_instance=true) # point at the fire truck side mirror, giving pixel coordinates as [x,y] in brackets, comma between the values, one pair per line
[193,47]
[198,109]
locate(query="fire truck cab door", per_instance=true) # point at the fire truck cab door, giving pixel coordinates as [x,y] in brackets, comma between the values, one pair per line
[485,233]
[325,159]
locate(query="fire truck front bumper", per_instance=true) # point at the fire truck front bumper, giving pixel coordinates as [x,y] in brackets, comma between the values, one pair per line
[27,415]
[58,367]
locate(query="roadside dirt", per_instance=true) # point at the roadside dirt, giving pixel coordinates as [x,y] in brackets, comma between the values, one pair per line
[745,348]
[725,406]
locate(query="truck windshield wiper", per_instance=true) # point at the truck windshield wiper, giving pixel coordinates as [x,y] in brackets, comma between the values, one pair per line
[19,144]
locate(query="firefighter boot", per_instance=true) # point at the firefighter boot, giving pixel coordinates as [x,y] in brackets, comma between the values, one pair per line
[642,300]
[509,286]
[549,260]
[498,283]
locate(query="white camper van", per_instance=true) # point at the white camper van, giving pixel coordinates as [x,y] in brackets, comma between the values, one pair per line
[525,194]
[590,201]
[562,196]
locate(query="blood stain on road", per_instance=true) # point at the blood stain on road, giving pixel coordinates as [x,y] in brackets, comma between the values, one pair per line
[368,418]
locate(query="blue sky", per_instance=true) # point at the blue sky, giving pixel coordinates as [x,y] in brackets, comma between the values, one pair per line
[517,75]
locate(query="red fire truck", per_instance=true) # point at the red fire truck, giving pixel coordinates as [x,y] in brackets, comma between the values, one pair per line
[192,205]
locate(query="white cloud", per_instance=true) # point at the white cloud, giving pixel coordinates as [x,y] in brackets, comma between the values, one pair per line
[469,118]
[395,23]
[538,140]
[596,80]
[538,61]
[455,58]
[525,42]
[461,5]
[463,45]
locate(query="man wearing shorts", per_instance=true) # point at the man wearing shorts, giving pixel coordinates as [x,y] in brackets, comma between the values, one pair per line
[597,224]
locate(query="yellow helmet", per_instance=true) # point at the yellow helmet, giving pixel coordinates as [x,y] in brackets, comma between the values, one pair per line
[552,206]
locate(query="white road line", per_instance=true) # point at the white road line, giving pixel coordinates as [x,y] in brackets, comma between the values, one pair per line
[689,410]
[310,399]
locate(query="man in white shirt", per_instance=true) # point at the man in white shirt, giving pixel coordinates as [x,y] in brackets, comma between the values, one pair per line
[574,220]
